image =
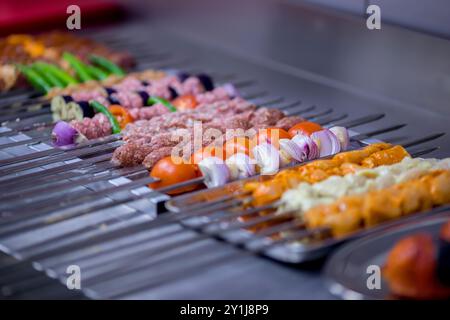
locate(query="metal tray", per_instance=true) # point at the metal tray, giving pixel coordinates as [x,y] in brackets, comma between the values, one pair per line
[346,270]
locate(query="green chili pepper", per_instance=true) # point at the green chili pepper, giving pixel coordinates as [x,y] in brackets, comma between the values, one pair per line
[108,65]
[49,77]
[62,75]
[80,68]
[167,104]
[34,78]
[102,109]
[97,73]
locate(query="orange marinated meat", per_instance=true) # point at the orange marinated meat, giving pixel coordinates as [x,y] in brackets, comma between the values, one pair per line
[319,170]
[350,213]
[385,157]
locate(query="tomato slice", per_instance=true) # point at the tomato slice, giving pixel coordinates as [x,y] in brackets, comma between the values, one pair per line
[170,173]
[306,128]
[270,135]
[237,145]
[122,115]
[186,102]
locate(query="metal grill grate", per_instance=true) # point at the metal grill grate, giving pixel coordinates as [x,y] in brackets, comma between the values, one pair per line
[62,207]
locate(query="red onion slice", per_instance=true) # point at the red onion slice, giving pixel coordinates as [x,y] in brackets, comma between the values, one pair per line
[327,141]
[342,134]
[64,134]
[306,145]
[293,151]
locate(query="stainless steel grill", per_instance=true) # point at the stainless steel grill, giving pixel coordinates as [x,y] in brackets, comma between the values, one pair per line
[73,206]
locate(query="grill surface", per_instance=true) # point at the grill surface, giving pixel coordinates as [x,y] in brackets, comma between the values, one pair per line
[121,252]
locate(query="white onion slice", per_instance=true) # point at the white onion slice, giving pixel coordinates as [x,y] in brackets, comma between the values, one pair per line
[307,145]
[267,157]
[240,166]
[342,134]
[327,141]
[215,172]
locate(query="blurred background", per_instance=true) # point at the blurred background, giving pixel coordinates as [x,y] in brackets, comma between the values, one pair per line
[406,61]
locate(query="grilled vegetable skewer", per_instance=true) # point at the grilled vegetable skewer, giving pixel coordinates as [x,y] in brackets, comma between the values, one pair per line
[49,47]
[233,160]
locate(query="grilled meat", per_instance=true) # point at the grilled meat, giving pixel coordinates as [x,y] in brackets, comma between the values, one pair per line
[351,213]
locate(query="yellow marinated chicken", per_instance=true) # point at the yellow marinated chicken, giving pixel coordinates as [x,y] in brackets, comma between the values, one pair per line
[352,213]
[341,164]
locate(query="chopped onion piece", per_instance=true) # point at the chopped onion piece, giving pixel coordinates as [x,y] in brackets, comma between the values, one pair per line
[215,172]
[267,157]
[327,141]
[289,151]
[342,134]
[306,145]
[240,166]
[64,134]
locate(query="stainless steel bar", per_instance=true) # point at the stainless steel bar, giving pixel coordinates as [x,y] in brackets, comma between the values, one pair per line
[181,185]
[56,192]
[258,94]
[34,220]
[220,77]
[363,120]
[216,228]
[24,115]
[269,231]
[115,268]
[5,184]
[58,158]
[90,258]
[218,217]
[61,184]
[190,268]
[244,83]
[58,151]
[423,140]
[363,136]
[7,224]
[221,199]
[294,236]
[268,101]
[49,178]
[168,218]
[71,200]
[423,152]
[319,114]
[27,105]
[16,92]
[27,142]
[98,238]
[330,119]
[15,129]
